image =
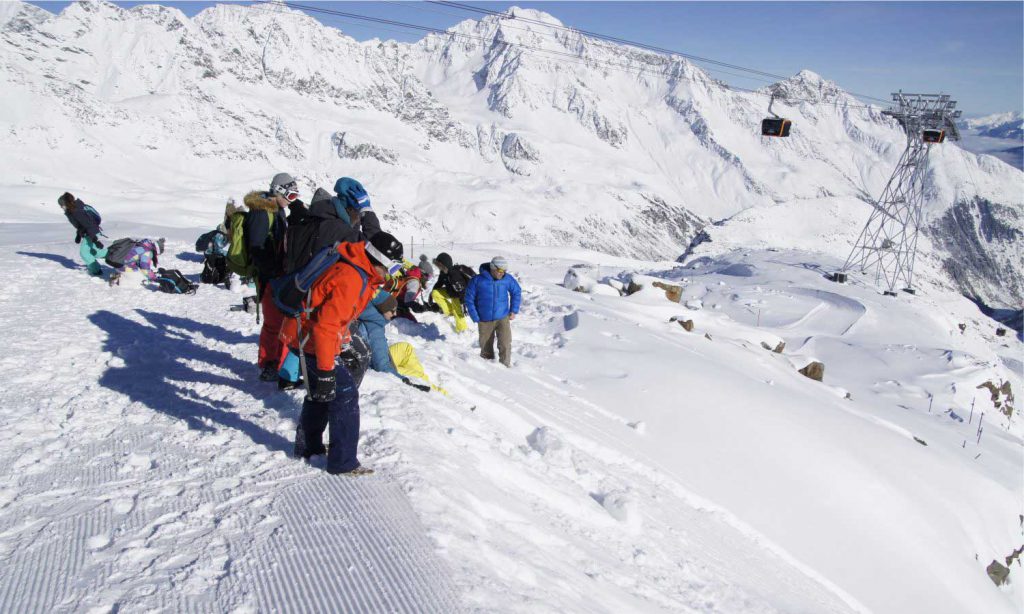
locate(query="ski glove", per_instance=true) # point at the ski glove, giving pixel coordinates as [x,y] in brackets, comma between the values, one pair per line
[78,238]
[326,387]
[422,387]
[98,244]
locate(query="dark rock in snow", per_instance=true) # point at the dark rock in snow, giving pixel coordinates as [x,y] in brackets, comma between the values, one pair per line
[815,371]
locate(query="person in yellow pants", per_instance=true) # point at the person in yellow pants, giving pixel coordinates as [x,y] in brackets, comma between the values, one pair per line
[451,306]
[408,365]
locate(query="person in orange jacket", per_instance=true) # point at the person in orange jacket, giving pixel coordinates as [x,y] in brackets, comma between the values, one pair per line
[336,300]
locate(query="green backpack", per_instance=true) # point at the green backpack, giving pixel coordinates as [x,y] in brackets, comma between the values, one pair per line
[238,254]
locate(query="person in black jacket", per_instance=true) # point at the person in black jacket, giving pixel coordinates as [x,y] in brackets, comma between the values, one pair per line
[87,230]
[345,218]
[449,290]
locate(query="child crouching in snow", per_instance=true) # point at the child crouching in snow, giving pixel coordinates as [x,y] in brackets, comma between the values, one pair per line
[141,256]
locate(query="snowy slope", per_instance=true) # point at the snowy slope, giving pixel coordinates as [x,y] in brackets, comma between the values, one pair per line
[623,464]
[500,130]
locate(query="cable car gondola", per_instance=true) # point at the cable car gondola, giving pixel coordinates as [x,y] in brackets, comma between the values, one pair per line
[932,135]
[775,125]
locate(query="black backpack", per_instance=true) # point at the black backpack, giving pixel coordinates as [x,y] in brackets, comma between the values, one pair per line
[215,270]
[173,282]
[459,276]
[118,252]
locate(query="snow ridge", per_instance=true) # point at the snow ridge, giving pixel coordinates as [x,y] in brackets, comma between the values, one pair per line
[499,129]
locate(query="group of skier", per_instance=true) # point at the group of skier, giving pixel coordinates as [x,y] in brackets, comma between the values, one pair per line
[328,281]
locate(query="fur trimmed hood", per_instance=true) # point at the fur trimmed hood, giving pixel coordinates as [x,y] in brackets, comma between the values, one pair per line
[258,200]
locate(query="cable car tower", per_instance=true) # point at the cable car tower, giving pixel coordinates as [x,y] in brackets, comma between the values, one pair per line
[888,244]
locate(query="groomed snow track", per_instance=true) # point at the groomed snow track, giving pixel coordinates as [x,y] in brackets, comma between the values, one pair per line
[110,505]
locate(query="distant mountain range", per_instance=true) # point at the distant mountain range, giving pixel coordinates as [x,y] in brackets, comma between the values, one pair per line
[501,129]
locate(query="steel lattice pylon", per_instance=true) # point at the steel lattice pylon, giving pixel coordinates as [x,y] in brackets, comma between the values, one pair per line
[888,244]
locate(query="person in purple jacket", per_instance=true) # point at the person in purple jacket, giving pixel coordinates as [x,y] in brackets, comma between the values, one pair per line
[492,300]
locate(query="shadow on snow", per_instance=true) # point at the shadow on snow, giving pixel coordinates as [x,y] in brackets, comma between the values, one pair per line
[158,365]
[64,261]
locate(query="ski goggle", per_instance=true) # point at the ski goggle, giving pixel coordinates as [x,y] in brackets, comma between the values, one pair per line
[289,190]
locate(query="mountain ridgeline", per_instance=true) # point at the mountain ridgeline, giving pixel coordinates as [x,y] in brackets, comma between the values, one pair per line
[499,130]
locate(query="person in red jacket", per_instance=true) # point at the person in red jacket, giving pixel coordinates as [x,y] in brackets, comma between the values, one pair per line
[336,300]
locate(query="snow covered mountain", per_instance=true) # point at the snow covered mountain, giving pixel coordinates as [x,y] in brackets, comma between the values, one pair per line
[999,125]
[501,129]
[1000,135]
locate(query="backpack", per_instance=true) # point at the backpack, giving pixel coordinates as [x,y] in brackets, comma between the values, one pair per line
[118,252]
[173,282]
[239,260]
[300,238]
[205,239]
[94,214]
[215,270]
[461,279]
[290,292]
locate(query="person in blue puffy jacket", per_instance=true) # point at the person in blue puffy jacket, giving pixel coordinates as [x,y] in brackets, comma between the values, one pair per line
[492,301]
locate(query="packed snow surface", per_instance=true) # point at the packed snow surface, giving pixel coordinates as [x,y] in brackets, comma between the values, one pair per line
[622,464]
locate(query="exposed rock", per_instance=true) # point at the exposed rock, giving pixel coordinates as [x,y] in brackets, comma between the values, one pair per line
[766,346]
[518,155]
[1000,332]
[708,336]
[962,327]
[780,347]
[980,243]
[814,370]
[355,151]
[672,293]
[687,325]
[633,287]
[1001,396]
[999,573]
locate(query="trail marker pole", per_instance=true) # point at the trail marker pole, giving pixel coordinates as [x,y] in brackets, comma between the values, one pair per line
[972,412]
[930,400]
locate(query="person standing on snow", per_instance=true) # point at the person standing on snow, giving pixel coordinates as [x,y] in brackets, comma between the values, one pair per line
[335,300]
[264,230]
[86,221]
[492,300]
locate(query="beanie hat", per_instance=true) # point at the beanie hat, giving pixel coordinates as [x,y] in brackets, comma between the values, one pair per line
[499,262]
[444,260]
[352,193]
[390,303]
[384,248]
[280,179]
[425,266]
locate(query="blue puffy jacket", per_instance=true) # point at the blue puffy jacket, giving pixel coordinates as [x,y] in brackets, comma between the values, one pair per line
[488,299]
[370,327]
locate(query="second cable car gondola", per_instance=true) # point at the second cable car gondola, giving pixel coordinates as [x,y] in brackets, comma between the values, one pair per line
[932,135]
[775,125]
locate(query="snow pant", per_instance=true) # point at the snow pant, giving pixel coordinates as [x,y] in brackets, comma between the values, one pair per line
[271,350]
[141,259]
[355,356]
[340,417]
[503,330]
[451,306]
[91,255]
[408,365]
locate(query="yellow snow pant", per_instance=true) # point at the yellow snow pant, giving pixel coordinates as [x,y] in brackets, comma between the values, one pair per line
[451,306]
[408,365]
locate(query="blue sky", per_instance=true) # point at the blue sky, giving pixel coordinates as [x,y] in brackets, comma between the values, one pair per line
[972,50]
